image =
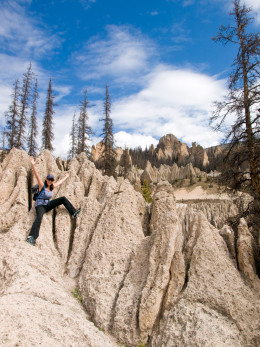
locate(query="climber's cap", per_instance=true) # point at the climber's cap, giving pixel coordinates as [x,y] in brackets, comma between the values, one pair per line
[50,177]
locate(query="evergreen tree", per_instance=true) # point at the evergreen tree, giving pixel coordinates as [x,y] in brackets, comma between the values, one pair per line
[47,131]
[73,139]
[78,134]
[25,98]
[85,130]
[33,131]
[12,118]
[109,154]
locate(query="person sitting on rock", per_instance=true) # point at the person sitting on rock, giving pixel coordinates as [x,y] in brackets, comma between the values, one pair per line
[44,204]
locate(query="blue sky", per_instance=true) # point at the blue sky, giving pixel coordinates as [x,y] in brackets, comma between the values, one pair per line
[157,57]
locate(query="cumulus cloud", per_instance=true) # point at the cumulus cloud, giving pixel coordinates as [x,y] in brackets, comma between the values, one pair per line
[124,139]
[175,101]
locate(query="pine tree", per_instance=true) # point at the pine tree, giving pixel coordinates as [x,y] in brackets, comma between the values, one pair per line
[73,139]
[25,98]
[47,131]
[33,131]
[109,154]
[12,118]
[85,130]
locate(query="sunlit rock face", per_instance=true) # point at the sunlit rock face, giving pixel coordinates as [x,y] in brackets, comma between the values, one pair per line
[165,274]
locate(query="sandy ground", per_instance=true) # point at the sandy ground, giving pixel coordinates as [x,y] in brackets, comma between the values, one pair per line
[198,193]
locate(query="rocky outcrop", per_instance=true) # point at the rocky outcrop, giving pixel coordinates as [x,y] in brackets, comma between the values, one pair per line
[215,304]
[97,151]
[170,173]
[170,147]
[160,275]
[217,212]
[37,306]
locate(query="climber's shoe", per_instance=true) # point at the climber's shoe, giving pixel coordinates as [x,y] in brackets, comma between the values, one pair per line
[76,213]
[31,240]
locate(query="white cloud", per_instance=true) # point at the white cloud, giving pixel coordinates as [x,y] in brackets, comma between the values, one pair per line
[255,5]
[123,54]
[19,33]
[175,101]
[61,91]
[124,139]
[5,98]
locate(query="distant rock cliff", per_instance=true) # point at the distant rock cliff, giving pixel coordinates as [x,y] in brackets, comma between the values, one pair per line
[169,274]
[170,151]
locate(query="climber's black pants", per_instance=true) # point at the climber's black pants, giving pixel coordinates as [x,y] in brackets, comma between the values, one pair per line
[41,209]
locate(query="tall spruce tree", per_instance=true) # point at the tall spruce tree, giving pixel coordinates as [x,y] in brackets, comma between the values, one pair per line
[33,131]
[25,99]
[109,154]
[242,100]
[11,129]
[84,129]
[47,130]
[73,139]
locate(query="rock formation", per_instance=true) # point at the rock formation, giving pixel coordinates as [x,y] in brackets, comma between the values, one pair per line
[169,274]
[170,147]
[170,173]
[169,151]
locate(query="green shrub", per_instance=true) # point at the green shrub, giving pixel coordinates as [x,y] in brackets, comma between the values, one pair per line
[77,295]
[146,191]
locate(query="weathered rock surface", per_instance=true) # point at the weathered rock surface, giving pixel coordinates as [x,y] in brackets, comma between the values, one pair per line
[170,147]
[170,173]
[161,274]
[36,302]
[216,305]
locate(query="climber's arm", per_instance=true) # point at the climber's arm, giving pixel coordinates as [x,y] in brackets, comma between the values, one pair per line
[40,182]
[56,184]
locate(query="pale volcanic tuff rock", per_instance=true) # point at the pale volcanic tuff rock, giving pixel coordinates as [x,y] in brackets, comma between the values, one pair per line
[97,152]
[166,278]
[217,212]
[215,305]
[170,173]
[36,306]
[245,252]
[118,232]
[170,147]
[36,303]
